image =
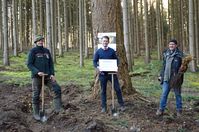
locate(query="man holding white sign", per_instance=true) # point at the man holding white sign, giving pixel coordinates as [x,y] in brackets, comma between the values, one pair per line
[103,56]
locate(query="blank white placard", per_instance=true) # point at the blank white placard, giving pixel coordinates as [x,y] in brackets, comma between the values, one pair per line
[108,65]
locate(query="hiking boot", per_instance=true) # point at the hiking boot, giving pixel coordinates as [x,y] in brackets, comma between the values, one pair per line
[57,105]
[122,108]
[179,113]
[103,110]
[35,108]
[36,117]
[159,112]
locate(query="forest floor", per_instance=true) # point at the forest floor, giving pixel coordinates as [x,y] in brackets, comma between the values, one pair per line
[82,113]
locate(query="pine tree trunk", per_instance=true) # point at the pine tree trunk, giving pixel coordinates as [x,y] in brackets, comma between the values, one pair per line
[147,54]
[34,20]
[15,34]
[126,35]
[81,34]
[48,25]
[5,33]
[85,30]
[59,29]
[66,25]
[191,36]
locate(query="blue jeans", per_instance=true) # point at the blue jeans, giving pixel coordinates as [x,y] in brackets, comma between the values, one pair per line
[165,93]
[104,78]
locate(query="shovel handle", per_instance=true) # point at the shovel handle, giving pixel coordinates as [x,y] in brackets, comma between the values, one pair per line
[112,91]
[42,92]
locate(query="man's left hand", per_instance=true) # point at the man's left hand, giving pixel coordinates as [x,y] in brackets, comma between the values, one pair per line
[52,78]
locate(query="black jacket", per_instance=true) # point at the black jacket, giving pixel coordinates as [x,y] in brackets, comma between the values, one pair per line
[40,60]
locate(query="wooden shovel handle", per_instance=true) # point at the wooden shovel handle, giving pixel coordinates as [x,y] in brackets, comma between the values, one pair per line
[42,92]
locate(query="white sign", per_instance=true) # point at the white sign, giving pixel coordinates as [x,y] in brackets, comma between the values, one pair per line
[109,65]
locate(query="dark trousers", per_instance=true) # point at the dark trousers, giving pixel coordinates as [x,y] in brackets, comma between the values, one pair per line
[37,85]
[104,78]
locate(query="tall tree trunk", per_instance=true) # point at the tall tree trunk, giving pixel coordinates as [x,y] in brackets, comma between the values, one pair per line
[66,25]
[59,29]
[41,12]
[48,25]
[20,27]
[34,19]
[147,54]
[131,36]
[126,35]
[196,29]
[15,35]
[53,36]
[1,38]
[80,35]
[158,30]
[85,30]
[191,36]
[5,33]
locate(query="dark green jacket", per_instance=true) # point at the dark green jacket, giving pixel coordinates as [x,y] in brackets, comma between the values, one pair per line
[40,60]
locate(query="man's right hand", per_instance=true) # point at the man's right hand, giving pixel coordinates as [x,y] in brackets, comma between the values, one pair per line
[40,74]
[97,70]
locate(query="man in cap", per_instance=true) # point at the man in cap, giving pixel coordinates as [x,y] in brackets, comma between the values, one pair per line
[40,64]
[172,59]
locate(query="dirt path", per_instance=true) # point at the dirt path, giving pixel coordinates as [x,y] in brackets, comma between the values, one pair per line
[83,114]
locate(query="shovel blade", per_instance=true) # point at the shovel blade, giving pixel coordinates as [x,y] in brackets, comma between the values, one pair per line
[114,112]
[43,118]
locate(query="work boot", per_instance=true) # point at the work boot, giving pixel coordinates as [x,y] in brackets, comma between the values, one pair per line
[103,110]
[57,105]
[159,112]
[122,108]
[179,113]
[35,108]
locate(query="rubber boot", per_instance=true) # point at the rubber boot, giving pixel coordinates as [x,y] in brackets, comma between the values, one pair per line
[36,112]
[58,105]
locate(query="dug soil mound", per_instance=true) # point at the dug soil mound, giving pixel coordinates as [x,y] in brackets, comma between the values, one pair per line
[81,113]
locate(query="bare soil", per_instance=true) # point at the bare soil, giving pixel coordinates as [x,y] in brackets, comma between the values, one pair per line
[82,113]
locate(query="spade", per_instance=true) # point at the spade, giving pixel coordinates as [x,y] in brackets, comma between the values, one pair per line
[42,115]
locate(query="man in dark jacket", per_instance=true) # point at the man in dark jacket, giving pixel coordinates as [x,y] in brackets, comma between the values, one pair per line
[40,63]
[107,53]
[172,59]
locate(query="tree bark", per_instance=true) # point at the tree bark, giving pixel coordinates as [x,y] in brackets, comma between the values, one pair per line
[59,29]
[81,62]
[34,20]
[5,33]
[15,34]
[126,35]
[147,54]
[191,36]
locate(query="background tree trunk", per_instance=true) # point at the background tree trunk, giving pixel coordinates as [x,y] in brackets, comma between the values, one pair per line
[191,36]
[147,54]
[15,34]
[5,33]
[59,29]
[126,35]
[81,34]
[34,20]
